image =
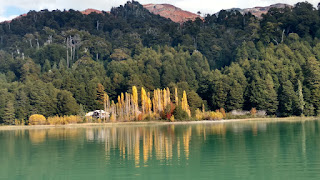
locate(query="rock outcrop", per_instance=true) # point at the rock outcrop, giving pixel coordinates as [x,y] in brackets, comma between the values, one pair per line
[171,12]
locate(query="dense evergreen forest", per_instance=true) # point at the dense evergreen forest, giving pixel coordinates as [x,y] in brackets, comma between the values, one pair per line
[51,63]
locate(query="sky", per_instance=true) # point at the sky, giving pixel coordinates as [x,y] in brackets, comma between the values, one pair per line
[12,8]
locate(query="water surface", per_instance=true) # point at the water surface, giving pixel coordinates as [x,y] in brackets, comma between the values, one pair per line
[237,150]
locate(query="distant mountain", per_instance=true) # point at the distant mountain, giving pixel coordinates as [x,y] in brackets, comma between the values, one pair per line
[171,12]
[258,11]
[89,11]
[85,12]
[180,16]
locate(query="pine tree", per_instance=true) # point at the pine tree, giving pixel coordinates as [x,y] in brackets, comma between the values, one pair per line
[287,99]
[235,98]
[263,95]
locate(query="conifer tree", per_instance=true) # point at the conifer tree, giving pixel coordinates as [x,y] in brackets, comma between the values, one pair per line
[8,116]
[235,98]
[287,99]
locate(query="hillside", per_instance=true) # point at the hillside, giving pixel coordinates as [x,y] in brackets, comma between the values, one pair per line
[55,62]
[89,11]
[171,12]
[258,11]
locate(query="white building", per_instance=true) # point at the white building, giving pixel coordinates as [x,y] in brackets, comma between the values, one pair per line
[98,114]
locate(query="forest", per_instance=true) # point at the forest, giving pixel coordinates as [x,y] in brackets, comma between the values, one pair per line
[55,63]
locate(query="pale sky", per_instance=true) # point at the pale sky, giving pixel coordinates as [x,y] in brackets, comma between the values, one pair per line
[12,8]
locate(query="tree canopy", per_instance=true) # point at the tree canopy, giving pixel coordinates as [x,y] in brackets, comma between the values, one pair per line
[51,62]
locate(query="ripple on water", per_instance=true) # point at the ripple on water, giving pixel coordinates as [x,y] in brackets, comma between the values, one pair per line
[237,150]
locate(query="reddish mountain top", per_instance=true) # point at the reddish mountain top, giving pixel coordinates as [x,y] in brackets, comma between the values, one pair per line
[89,11]
[169,11]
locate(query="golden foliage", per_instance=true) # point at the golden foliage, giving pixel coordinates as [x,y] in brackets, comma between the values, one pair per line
[253,111]
[184,103]
[112,118]
[37,119]
[127,107]
[223,112]
[176,96]
[19,122]
[172,118]
[199,114]
[144,99]
[215,115]
[62,120]
[210,115]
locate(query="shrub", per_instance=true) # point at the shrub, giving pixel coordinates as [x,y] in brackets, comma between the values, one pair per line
[215,115]
[210,115]
[180,114]
[253,112]
[172,118]
[199,114]
[168,111]
[37,119]
[223,112]
[57,120]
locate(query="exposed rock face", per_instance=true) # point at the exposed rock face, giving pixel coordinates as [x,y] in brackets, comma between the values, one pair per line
[171,12]
[258,11]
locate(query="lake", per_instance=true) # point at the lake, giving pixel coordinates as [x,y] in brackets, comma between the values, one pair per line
[233,150]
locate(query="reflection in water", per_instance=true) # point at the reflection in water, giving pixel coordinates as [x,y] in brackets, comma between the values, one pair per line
[160,142]
[38,136]
[249,148]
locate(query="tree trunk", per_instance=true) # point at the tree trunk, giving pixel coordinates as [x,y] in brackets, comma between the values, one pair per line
[67,51]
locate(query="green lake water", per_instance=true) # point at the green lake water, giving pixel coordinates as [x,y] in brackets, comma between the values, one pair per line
[234,150]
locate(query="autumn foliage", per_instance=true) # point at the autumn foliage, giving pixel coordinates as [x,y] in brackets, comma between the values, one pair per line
[37,119]
[62,120]
[129,108]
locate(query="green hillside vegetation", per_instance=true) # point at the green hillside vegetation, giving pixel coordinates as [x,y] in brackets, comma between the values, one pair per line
[51,63]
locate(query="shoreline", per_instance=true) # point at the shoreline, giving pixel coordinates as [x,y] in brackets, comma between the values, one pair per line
[134,123]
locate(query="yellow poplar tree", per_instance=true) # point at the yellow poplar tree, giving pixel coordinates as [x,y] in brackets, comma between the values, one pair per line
[168,96]
[144,99]
[113,112]
[149,104]
[176,96]
[135,101]
[184,103]
[106,104]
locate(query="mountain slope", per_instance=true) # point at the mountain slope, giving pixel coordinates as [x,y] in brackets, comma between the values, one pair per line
[171,12]
[258,11]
